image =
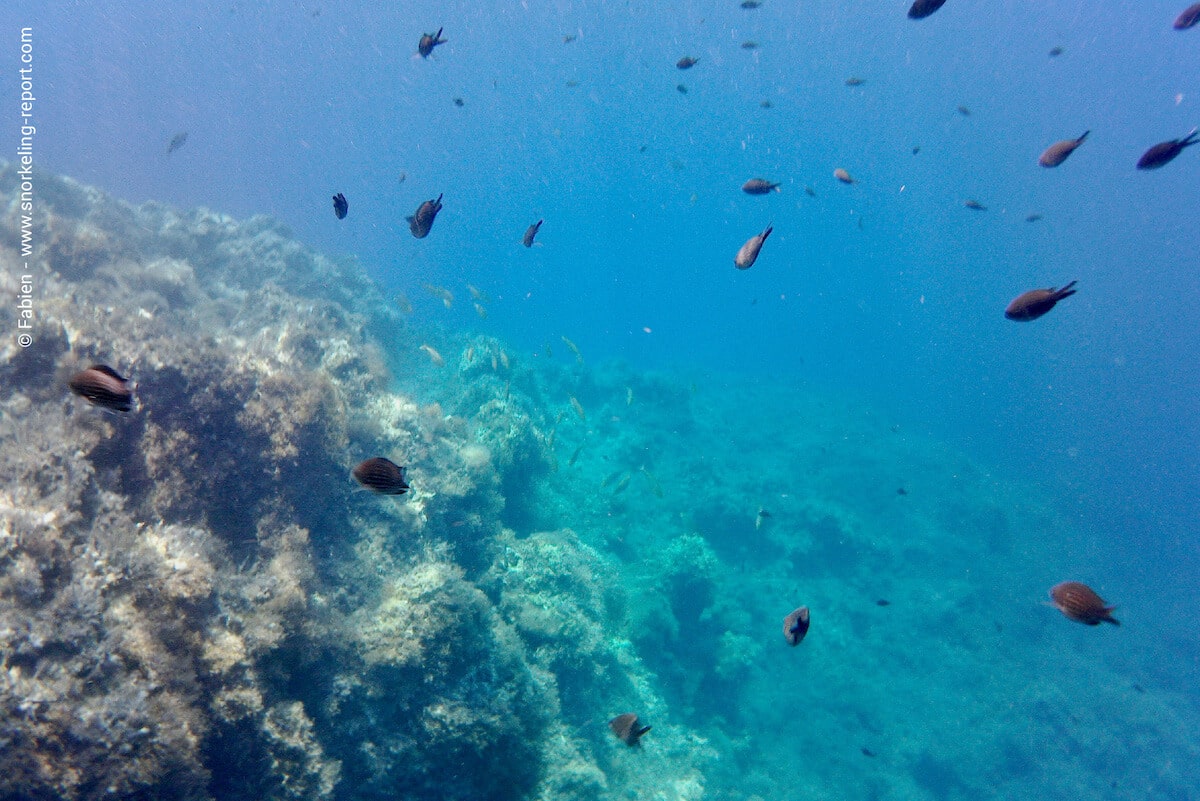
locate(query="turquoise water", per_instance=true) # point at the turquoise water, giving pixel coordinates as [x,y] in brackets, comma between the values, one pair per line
[859,384]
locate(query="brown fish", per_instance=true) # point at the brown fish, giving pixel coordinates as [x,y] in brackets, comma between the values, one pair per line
[749,252]
[530,233]
[921,9]
[843,176]
[102,386]
[687,62]
[974,205]
[627,728]
[795,626]
[1036,302]
[1057,153]
[422,221]
[759,186]
[382,476]
[1080,603]
[1189,17]
[1164,152]
[428,42]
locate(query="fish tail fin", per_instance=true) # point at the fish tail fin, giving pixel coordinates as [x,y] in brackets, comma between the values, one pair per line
[642,731]
[1083,136]
[1190,139]
[1108,618]
[777,189]
[1066,291]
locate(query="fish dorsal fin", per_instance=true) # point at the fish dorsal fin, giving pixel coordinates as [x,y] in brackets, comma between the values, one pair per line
[108,371]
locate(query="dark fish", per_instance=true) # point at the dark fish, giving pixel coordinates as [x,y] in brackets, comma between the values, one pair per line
[1055,51]
[177,141]
[883,602]
[766,104]
[681,89]
[901,491]
[1057,153]
[427,43]
[867,752]
[1163,152]
[1033,217]
[974,205]
[530,233]
[749,44]
[855,81]
[749,252]
[458,101]
[916,149]
[751,4]
[843,176]
[795,626]
[1036,302]
[963,110]
[382,476]
[808,190]
[422,221]
[759,186]
[1080,603]
[687,62]
[627,728]
[102,386]
[923,8]
[340,206]
[1189,17]
[569,37]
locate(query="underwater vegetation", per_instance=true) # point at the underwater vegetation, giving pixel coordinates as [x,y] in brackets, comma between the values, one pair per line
[256,543]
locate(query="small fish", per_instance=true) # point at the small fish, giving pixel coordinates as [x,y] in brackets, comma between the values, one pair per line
[923,8]
[571,84]
[795,626]
[751,4]
[974,205]
[382,476]
[402,177]
[883,602]
[843,176]
[748,253]
[1056,51]
[428,42]
[404,303]
[627,729]
[340,206]
[681,89]
[103,386]
[1080,603]
[177,141]
[687,62]
[867,752]
[434,356]
[574,349]
[446,296]
[761,518]
[476,292]
[749,44]
[808,190]
[1164,152]
[852,81]
[503,359]
[1189,17]
[766,104]
[628,396]
[530,233]
[901,491]
[458,101]
[610,478]
[422,221]
[1057,153]
[578,407]
[655,487]
[1036,302]
[1033,217]
[569,37]
[916,149]
[481,311]
[963,110]
[575,456]
[622,484]
[759,186]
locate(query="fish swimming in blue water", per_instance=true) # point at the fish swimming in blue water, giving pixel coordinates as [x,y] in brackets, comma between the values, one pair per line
[748,254]
[530,233]
[759,186]
[340,206]
[1080,603]
[428,42]
[422,221]
[921,9]
[687,62]
[1187,18]
[103,386]
[1057,153]
[1036,302]
[628,729]
[177,141]
[1164,152]
[382,476]
[795,626]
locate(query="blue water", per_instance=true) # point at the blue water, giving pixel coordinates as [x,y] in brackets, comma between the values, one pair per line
[886,295]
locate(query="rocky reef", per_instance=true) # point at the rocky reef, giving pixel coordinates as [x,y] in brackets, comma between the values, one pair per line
[196,601]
